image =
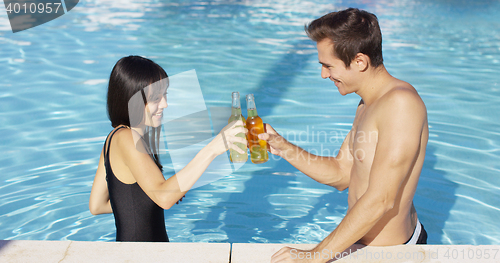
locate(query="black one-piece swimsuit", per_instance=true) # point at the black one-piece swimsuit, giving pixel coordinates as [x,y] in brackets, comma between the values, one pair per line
[137,217]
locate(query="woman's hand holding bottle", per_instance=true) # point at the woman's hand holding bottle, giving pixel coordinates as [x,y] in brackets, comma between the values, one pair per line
[227,137]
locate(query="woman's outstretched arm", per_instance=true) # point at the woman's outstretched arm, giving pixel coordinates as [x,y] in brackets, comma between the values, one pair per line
[166,193]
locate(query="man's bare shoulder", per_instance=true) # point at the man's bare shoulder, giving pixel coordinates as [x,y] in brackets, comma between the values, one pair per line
[402,102]
[402,96]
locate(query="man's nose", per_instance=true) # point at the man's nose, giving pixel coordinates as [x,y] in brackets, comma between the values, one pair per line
[325,73]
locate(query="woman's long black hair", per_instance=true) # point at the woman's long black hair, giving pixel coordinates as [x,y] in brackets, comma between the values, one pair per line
[129,77]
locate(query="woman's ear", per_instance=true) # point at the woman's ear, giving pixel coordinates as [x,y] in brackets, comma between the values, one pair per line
[362,62]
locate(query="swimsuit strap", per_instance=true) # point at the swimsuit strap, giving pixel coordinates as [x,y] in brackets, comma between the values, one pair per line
[110,136]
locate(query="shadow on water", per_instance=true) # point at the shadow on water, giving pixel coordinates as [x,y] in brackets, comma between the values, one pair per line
[434,199]
[245,223]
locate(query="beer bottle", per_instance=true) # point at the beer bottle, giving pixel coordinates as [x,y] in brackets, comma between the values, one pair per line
[235,156]
[255,126]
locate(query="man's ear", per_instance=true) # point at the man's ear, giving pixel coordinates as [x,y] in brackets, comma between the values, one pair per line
[361,62]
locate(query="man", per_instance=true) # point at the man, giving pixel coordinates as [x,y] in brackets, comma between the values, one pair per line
[381,158]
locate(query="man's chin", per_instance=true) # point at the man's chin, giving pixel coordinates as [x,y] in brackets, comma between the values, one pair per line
[343,93]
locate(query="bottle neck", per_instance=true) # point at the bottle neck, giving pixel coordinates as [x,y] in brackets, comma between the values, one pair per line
[251,108]
[252,113]
[236,101]
[235,111]
[235,104]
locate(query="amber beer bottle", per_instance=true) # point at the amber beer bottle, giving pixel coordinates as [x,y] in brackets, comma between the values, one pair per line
[235,156]
[255,126]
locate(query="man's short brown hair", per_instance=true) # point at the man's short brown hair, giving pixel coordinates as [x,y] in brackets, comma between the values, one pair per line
[351,31]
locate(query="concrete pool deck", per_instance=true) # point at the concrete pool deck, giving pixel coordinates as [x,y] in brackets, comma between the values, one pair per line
[84,251]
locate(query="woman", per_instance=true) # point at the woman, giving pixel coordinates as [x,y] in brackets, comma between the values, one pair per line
[129,182]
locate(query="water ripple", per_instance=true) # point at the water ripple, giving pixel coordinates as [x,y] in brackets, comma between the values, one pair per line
[53,114]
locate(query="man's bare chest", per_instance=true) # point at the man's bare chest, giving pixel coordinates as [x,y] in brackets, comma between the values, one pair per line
[363,138]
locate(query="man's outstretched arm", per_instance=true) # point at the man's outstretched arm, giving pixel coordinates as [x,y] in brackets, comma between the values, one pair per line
[333,171]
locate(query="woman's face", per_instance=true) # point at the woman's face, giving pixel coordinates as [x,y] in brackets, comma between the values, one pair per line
[156,103]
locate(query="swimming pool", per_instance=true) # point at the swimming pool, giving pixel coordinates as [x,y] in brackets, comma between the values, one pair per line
[52,110]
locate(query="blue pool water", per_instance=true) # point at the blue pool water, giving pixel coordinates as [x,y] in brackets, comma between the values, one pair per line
[53,117]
